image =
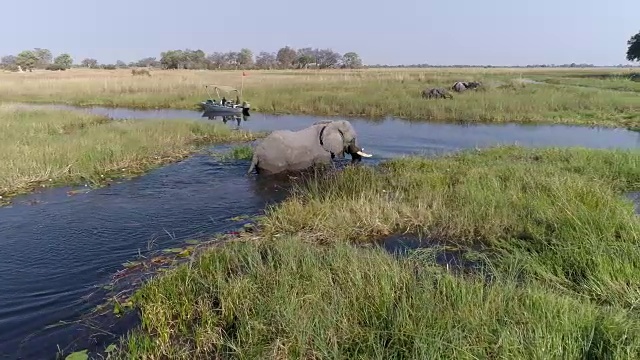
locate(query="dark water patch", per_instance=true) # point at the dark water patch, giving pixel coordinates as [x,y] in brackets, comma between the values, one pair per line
[53,254]
[59,243]
[458,259]
[635,197]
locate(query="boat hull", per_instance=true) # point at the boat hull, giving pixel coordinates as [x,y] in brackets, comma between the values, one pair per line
[211,110]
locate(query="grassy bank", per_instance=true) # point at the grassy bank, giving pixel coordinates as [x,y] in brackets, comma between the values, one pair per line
[49,147]
[370,93]
[560,240]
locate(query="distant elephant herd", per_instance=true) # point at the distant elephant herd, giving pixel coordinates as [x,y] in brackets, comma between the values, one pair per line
[460,86]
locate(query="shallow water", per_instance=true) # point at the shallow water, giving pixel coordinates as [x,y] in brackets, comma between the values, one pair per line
[393,137]
[55,247]
[55,250]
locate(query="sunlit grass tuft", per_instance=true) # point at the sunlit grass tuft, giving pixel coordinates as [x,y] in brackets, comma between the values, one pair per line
[241,152]
[287,299]
[46,147]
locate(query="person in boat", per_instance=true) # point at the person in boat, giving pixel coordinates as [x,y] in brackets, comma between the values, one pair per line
[224,101]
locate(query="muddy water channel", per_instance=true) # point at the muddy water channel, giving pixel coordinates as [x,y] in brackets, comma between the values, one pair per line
[56,247]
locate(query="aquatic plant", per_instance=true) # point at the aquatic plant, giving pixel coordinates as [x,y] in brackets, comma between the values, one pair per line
[240,152]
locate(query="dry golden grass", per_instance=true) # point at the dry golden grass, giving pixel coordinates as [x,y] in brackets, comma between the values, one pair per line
[367,92]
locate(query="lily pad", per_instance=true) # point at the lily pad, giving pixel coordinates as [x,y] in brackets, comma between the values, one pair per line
[130,264]
[185,253]
[240,218]
[111,348]
[173,250]
[78,355]
[192,242]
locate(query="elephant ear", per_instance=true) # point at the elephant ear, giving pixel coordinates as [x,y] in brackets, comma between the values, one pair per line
[332,141]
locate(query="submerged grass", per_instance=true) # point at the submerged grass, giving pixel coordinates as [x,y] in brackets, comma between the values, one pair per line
[241,152]
[47,147]
[562,246]
[371,93]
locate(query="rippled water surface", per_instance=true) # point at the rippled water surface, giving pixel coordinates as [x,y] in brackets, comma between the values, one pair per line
[55,247]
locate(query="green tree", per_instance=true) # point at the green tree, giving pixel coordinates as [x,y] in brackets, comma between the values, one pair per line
[44,57]
[90,63]
[633,52]
[327,58]
[286,57]
[306,57]
[266,60]
[63,61]
[8,61]
[217,60]
[27,60]
[245,58]
[195,59]
[351,60]
[147,62]
[173,59]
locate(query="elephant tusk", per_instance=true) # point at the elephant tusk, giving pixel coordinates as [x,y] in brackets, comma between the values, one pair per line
[363,154]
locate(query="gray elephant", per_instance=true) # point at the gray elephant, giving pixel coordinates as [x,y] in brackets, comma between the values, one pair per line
[436,93]
[459,86]
[473,85]
[286,150]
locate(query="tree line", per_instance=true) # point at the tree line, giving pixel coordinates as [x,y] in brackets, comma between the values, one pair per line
[285,58]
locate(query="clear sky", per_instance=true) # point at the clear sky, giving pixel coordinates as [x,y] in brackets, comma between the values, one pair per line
[496,32]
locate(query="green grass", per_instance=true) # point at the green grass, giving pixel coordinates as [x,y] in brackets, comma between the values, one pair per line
[613,83]
[289,300]
[48,147]
[531,103]
[369,93]
[241,152]
[558,237]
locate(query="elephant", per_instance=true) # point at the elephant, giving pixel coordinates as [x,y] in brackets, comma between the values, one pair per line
[473,84]
[436,93]
[461,86]
[286,150]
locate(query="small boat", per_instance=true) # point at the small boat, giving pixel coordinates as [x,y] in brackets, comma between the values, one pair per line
[223,107]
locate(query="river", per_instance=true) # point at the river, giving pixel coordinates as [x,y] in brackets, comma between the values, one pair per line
[56,248]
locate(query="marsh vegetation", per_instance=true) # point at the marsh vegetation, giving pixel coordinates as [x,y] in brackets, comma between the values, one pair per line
[551,227]
[558,240]
[53,147]
[369,93]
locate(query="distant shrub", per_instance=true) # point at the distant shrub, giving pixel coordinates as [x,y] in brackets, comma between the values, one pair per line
[135,72]
[56,67]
